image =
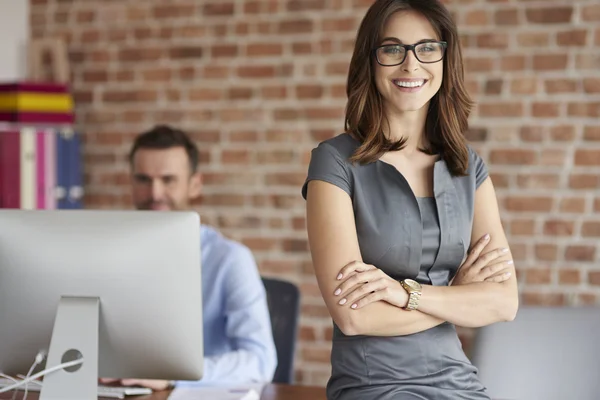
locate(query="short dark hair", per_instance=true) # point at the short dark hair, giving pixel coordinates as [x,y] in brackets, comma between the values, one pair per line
[162,137]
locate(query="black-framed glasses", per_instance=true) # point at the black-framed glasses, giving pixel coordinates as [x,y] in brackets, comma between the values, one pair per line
[389,55]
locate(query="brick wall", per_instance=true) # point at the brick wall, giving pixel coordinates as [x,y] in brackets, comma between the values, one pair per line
[258,83]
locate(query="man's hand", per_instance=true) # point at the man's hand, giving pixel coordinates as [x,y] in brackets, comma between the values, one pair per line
[147,383]
[479,268]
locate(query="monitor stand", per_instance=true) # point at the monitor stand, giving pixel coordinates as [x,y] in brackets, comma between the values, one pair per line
[75,335]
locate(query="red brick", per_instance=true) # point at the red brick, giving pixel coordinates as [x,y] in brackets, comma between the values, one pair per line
[574,37]
[532,133]
[550,62]
[587,157]
[563,133]
[524,86]
[583,181]
[243,136]
[594,278]
[587,299]
[312,91]
[266,71]
[587,61]
[186,52]
[559,228]
[549,15]
[545,109]
[478,64]
[477,18]
[546,252]
[555,86]
[501,109]
[553,157]
[274,92]
[295,26]
[264,49]
[513,156]
[522,227]
[508,16]
[591,133]
[590,229]
[494,86]
[533,39]
[569,277]
[572,205]
[129,96]
[528,204]
[591,85]
[492,40]
[538,181]
[580,109]
[580,253]
[223,50]
[218,9]
[590,13]
[173,11]
[513,63]
[538,276]
[543,299]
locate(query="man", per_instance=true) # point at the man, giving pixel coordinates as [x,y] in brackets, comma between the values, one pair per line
[238,341]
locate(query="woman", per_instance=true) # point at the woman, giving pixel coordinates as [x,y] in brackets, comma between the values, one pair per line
[393,205]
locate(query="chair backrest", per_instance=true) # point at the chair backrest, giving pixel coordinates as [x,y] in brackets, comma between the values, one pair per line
[545,353]
[284,306]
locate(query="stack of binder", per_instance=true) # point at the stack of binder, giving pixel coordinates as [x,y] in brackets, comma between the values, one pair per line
[40,151]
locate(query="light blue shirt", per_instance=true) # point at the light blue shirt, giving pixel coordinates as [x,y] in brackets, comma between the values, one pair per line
[238,341]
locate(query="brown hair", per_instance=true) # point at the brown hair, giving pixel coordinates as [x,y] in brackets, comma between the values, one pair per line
[449,109]
[162,137]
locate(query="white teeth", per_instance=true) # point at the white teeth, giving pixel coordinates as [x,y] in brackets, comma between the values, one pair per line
[410,84]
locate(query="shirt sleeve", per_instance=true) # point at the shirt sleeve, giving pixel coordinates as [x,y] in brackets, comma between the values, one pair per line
[248,327]
[326,164]
[478,168]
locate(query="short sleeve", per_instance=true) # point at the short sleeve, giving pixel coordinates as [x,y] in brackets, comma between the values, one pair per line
[478,167]
[326,164]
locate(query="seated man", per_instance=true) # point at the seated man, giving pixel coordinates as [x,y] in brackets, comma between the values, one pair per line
[238,341]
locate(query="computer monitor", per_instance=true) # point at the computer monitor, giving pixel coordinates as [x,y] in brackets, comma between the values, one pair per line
[120,289]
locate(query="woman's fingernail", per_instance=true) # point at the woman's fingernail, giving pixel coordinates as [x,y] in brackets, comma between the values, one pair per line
[504,250]
[353,306]
[510,262]
[507,274]
[342,302]
[337,292]
[487,236]
[340,276]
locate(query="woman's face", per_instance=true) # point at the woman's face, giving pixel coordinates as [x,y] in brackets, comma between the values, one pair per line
[410,85]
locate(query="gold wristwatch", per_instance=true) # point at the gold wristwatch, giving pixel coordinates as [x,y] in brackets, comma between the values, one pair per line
[413,288]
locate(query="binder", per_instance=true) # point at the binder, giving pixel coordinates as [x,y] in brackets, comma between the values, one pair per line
[11,168]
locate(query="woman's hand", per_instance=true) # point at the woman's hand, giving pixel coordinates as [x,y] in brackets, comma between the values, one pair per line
[480,268]
[363,284]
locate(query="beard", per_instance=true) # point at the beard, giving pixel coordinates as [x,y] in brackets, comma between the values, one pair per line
[160,205]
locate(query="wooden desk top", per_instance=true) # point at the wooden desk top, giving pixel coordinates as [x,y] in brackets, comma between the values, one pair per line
[270,392]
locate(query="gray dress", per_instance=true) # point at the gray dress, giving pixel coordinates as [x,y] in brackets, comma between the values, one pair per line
[424,239]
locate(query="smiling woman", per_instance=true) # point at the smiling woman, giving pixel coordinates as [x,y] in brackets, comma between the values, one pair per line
[393,206]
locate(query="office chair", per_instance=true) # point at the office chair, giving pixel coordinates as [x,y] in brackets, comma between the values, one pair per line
[550,353]
[284,306]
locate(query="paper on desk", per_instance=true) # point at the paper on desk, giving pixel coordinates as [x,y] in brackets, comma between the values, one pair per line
[245,392]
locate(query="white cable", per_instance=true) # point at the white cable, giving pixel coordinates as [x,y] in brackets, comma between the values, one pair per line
[10,378]
[42,373]
[39,358]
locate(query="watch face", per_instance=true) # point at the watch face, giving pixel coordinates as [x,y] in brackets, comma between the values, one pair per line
[414,285]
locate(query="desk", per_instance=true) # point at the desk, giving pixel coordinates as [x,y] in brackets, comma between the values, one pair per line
[270,392]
